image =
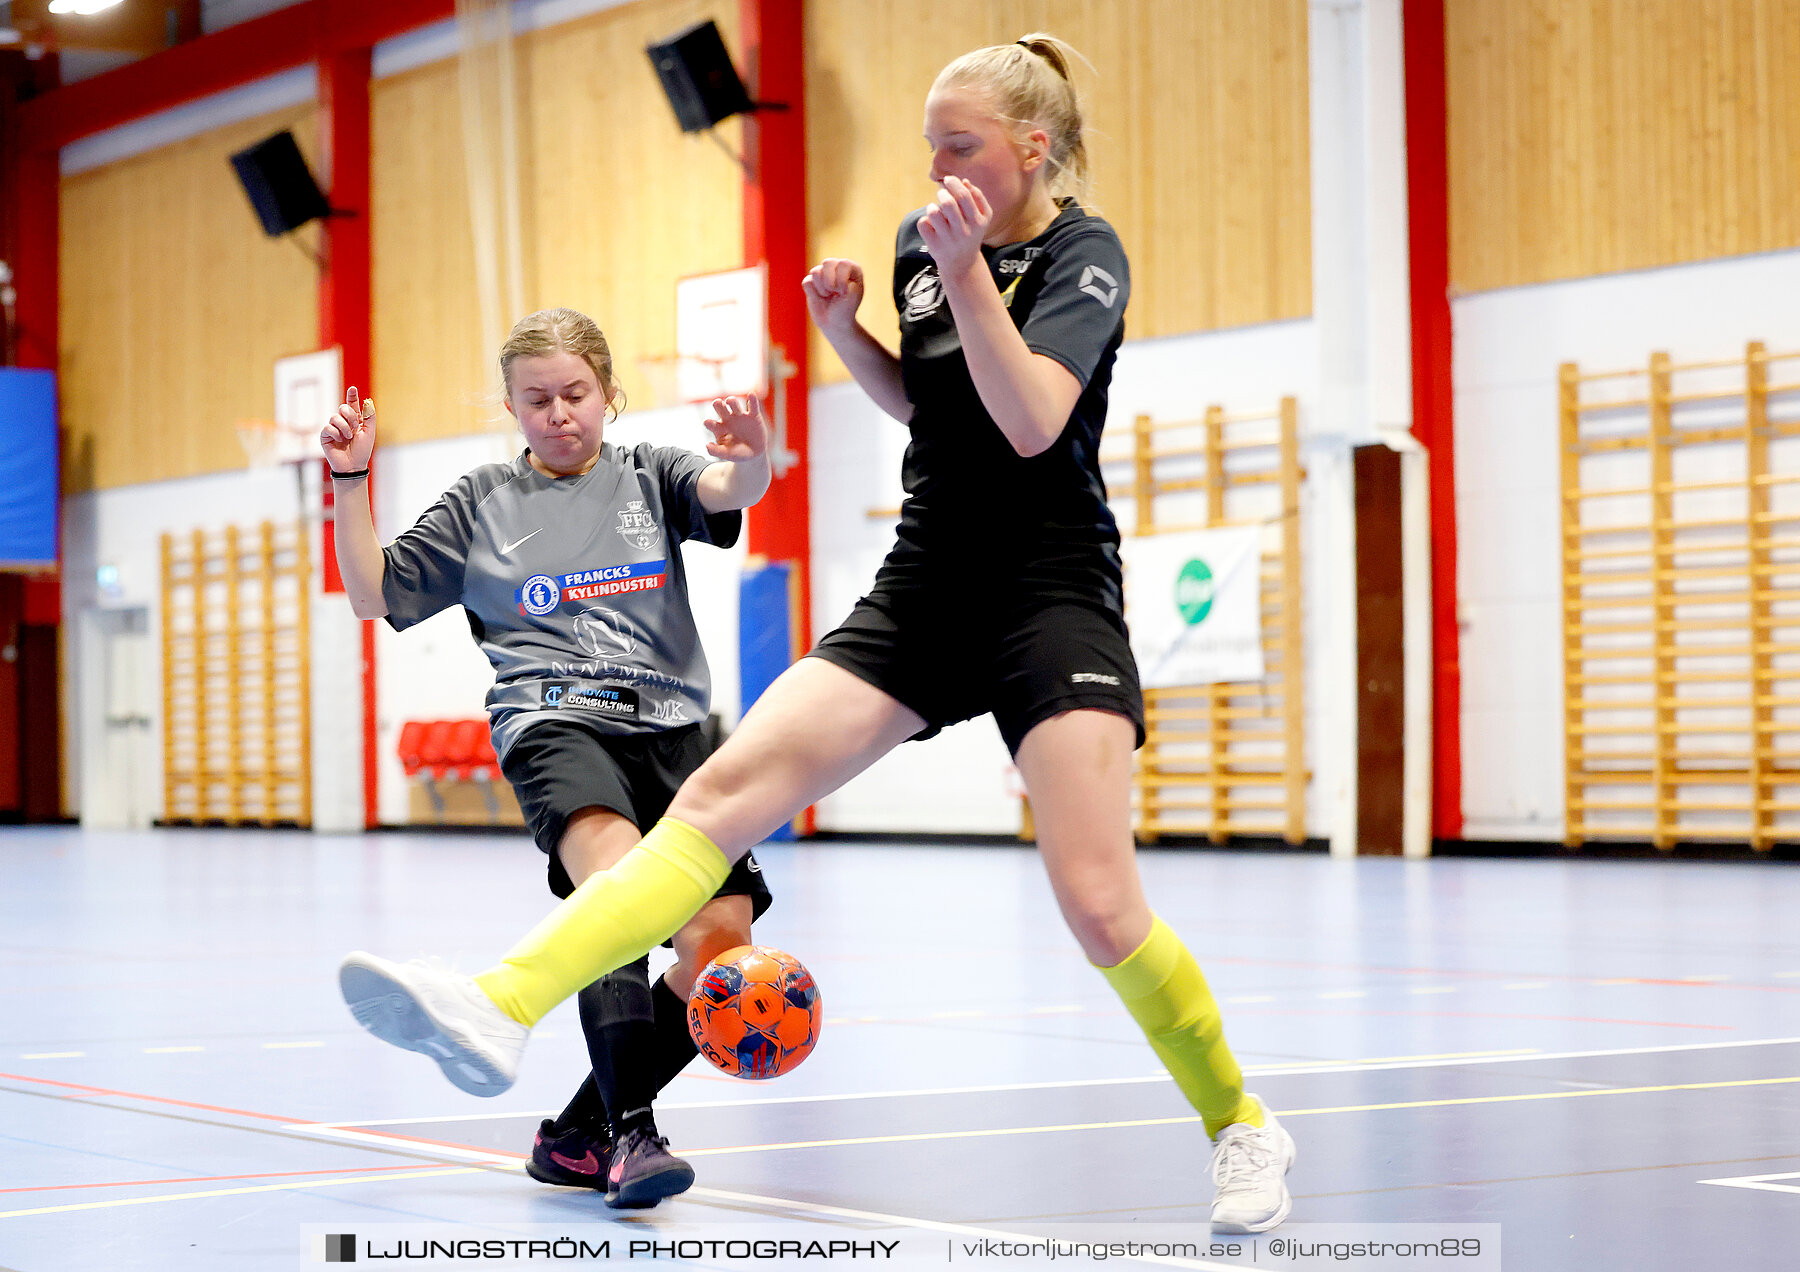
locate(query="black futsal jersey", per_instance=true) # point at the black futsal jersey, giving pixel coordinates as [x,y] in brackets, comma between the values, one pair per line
[977,513]
[1002,593]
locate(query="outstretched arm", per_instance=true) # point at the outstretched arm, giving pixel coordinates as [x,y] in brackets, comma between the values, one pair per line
[740,444]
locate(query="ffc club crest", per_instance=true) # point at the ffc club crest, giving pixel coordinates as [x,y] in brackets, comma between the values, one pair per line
[637,525]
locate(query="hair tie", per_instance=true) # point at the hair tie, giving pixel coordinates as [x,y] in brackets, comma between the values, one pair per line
[1022,44]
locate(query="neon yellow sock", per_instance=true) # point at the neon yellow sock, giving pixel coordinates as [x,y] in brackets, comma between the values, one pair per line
[1168,997]
[615,916]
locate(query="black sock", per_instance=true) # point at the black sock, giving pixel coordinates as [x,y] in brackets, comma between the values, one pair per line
[586,1111]
[674,1044]
[617,1017]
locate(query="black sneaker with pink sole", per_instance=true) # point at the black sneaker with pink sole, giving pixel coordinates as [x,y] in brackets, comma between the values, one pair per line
[574,1158]
[644,1171]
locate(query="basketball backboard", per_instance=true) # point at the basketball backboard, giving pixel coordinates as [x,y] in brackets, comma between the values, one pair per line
[722,334]
[308,387]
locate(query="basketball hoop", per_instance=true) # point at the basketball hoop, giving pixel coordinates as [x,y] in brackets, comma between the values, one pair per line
[269,445]
[258,438]
[677,378]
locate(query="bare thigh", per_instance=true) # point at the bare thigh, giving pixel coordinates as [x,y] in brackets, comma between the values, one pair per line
[1077,770]
[814,729]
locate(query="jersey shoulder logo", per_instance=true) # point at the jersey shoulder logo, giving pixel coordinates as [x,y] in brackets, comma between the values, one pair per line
[1099,284]
[923,293]
[637,525]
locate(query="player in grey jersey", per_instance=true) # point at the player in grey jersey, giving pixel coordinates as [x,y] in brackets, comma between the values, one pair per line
[567,562]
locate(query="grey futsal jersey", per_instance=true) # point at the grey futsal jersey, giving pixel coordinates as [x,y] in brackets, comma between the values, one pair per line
[574,587]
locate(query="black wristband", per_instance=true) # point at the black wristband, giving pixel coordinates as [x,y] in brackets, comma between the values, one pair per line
[337,476]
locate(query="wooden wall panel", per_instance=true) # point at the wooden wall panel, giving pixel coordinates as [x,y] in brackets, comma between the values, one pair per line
[624,203]
[430,368]
[174,307]
[1589,136]
[617,205]
[1198,135]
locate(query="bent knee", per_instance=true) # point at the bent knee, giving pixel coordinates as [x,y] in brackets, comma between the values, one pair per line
[717,928]
[1107,933]
[705,791]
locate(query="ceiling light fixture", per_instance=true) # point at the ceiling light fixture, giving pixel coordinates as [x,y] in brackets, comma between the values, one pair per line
[82,7]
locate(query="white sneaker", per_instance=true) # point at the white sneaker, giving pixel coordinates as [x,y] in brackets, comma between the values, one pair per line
[440,1013]
[1248,1165]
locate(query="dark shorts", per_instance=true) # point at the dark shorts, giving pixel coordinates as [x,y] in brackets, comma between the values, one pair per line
[558,767]
[949,661]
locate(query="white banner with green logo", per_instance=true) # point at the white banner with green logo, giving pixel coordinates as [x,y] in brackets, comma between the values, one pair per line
[1194,604]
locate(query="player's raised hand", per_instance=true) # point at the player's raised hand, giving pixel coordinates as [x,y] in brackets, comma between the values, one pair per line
[954,224]
[834,290]
[348,438]
[739,431]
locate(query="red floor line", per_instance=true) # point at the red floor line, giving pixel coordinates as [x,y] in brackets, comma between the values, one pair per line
[154,1099]
[210,1179]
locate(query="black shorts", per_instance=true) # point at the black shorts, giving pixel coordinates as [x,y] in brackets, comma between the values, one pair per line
[952,659]
[558,767]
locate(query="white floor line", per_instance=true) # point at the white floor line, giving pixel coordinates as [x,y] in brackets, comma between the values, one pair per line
[1760,1183]
[1347,1066]
[955,1229]
[353,1135]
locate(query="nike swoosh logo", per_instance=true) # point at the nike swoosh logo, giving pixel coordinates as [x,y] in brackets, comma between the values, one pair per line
[586,1164]
[516,542]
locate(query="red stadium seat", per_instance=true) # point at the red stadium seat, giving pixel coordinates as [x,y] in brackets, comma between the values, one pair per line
[450,750]
[412,737]
[463,755]
[434,751]
[486,761]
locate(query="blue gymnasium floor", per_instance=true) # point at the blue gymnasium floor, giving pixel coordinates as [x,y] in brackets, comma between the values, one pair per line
[1603,1058]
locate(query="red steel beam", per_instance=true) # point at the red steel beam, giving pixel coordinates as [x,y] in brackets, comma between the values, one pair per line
[1434,420]
[344,315]
[275,42]
[775,233]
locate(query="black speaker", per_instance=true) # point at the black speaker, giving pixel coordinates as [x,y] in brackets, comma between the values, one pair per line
[281,187]
[697,75]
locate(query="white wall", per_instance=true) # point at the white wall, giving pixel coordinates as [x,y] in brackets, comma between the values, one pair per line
[123,528]
[1509,345]
[432,671]
[960,781]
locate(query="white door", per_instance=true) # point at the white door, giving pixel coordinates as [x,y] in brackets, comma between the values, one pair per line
[120,777]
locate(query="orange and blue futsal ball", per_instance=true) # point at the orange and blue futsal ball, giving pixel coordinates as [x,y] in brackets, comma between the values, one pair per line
[754,1012]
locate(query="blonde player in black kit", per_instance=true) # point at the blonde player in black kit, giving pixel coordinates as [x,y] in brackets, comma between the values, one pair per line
[1002,594]
[566,561]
